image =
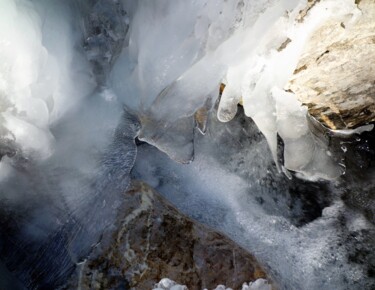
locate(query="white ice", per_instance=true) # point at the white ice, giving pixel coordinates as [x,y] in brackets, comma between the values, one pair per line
[174,58]
[42,75]
[167,284]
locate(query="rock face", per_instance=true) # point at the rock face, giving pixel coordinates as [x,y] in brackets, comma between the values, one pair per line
[153,240]
[335,76]
[104,25]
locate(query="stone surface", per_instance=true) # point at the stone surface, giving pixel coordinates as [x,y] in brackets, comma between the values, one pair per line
[302,14]
[104,27]
[153,240]
[335,76]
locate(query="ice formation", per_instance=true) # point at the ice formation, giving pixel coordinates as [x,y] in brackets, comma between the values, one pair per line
[38,82]
[167,284]
[234,42]
[265,70]
[67,69]
[252,47]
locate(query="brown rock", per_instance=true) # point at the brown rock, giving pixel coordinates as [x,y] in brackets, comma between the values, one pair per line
[302,14]
[153,240]
[335,76]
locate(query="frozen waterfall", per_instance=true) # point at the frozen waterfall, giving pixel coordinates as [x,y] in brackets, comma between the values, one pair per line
[188,96]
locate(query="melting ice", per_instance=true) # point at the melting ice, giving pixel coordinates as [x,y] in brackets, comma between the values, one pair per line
[67,70]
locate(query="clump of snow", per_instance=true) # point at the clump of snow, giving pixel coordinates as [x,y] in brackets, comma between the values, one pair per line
[259,284]
[167,284]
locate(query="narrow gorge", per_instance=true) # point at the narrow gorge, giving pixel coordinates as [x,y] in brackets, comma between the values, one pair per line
[187,145]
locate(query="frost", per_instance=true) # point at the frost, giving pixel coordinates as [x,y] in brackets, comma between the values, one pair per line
[167,284]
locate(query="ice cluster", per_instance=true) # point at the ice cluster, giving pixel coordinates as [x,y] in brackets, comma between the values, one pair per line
[175,62]
[68,69]
[167,284]
[169,68]
[263,72]
[42,75]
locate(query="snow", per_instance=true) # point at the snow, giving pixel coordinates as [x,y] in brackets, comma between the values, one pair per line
[167,284]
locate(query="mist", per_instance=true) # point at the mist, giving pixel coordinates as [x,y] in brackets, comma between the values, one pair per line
[96,93]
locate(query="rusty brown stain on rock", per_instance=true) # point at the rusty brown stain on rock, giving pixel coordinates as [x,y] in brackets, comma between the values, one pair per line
[221,89]
[301,68]
[302,14]
[284,44]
